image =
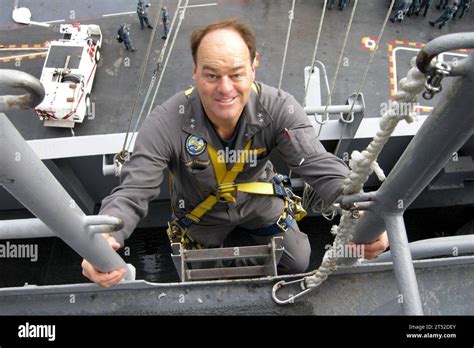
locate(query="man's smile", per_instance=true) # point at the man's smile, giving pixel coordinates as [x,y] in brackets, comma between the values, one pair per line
[226,101]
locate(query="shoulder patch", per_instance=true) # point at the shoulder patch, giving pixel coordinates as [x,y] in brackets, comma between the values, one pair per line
[195,145]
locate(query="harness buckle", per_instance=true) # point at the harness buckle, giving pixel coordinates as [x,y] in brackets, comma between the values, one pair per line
[296,207]
[227,192]
[282,222]
[175,232]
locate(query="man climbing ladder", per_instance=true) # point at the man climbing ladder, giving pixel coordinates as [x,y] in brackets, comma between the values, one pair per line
[211,194]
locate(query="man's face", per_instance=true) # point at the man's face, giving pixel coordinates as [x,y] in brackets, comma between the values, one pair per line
[223,74]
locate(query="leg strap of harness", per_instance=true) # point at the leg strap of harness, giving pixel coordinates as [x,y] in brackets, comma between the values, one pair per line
[292,211]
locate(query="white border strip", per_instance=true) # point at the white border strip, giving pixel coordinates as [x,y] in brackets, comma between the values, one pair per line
[79,146]
[118,14]
[56,21]
[201,5]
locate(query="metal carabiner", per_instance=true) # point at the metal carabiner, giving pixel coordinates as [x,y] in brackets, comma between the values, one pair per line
[433,83]
[292,298]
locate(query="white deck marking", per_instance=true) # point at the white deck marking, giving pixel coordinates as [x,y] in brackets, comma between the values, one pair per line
[201,5]
[118,14]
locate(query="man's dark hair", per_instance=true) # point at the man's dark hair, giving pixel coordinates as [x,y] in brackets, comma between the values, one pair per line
[245,31]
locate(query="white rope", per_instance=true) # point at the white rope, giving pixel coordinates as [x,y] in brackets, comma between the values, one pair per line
[362,166]
[291,15]
[316,45]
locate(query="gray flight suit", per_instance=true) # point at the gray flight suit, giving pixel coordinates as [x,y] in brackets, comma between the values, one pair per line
[274,121]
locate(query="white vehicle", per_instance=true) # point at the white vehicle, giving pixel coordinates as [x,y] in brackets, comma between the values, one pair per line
[68,75]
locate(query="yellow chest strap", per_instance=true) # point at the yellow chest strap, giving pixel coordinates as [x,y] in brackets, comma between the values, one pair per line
[225,180]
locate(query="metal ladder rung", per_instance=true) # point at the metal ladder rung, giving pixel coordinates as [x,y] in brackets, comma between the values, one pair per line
[227,253]
[226,272]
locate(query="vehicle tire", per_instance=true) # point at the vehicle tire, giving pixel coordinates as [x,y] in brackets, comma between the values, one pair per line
[97,55]
[71,78]
[94,41]
[88,103]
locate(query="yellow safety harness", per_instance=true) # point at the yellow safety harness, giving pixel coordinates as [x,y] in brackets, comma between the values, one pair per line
[227,192]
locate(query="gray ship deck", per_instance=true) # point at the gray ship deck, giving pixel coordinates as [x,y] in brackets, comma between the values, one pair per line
[116,84]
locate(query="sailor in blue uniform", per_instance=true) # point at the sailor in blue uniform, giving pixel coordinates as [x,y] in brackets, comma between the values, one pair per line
[166,22]
[414,8]
[464,6]
[343,4]
[425,5]
[446,16]
[442,4]
[142,14]
[400,10]
[123,35]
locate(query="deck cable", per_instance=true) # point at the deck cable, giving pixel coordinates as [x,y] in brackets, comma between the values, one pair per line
[309,196]
[123,155]
[182,13]
[316,45]
[325,117]
[362,83]
[291,16]
[159,68]
[155,74]
[310,199]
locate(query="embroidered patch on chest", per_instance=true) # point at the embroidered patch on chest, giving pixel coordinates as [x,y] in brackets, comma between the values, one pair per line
[195,145]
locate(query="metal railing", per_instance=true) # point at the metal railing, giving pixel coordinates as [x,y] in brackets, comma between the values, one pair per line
[449,126]
[25,177]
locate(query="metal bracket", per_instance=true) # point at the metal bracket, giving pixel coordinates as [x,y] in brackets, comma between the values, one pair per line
[350,122]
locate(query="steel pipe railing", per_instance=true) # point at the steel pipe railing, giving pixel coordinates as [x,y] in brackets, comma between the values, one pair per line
[449,126]
[25,176]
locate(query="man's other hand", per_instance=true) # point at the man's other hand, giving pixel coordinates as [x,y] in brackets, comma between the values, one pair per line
[106,279]
[375,248]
